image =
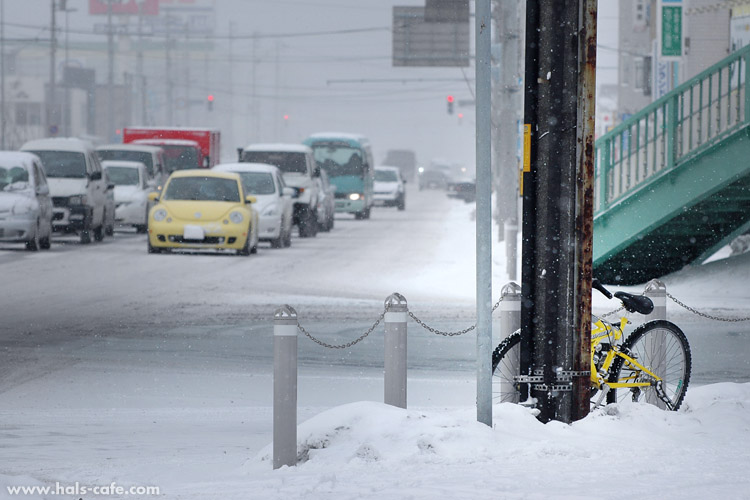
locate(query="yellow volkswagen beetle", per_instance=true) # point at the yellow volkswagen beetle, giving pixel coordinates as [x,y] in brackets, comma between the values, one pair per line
[200,209]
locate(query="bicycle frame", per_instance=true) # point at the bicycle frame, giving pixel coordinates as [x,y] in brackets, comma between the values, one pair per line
[601,330]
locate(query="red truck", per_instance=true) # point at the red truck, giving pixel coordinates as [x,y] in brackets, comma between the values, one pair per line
[184,147]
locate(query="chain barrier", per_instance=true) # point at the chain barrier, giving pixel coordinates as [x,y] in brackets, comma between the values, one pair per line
[699,313]
[348,344]
[449,334]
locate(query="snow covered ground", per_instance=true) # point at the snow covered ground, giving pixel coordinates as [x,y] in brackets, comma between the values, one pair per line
[182,407]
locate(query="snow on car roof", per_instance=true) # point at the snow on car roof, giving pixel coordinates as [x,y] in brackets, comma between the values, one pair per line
[166,142]
[15,158]
[186,129]
[244,167]
[123,163]
[204,172]
[280,147]
[58,144]
[129,147]
[387,167]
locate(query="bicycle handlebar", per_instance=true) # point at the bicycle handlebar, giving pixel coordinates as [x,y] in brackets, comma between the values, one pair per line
[596,284]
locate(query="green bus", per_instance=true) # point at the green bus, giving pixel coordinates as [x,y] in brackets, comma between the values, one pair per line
[347,159]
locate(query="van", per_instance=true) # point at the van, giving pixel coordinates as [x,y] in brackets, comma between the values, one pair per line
[151,156]
[77,186]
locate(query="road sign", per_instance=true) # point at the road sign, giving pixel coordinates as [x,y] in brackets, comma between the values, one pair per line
[671,28]
[417,42]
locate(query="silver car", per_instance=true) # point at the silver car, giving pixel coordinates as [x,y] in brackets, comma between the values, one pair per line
[25,203]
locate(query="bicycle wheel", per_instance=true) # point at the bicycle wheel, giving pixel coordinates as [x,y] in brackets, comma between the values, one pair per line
[506,363]
[661,347]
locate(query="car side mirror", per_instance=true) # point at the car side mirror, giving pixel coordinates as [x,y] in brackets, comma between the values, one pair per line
[316,171]
[153,197]
[43,190]
[95,176]
[288,191]
[110,186]
[206,161]
[239,154]
[250,199]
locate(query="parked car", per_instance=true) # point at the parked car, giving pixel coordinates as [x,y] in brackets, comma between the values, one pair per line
[151,156]
[433,179]
[76,183]
[274,200]
[299,169]
[326,202]
[463,189]
[109,205]
[131,191]
[389,188]
[25,203]
[203,209]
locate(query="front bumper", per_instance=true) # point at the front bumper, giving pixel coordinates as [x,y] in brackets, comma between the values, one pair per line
[130,214]
[344,205]
[385,199]
[13,230]
[269,227]
[72,218]
[181,235]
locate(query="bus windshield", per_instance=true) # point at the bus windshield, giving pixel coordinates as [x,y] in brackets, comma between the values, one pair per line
[339,160]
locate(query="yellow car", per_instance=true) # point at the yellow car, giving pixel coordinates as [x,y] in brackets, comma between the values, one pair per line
[200,209]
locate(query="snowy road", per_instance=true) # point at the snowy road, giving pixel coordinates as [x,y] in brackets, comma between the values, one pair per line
[119,365]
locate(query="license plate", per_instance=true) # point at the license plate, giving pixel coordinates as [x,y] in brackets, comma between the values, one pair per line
[193,233]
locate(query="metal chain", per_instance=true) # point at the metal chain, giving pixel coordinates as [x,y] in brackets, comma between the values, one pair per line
[449,334]
[610,313]
[695,311]
[348,344]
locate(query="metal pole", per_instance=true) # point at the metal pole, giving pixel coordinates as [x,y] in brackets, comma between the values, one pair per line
[510,321]
[395,350]
[510,228]
[484,210]
[2,74]
[110,74]
[656,346]
[52,102]
[284,387]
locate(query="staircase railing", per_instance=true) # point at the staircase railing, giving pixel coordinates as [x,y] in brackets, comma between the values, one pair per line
[692,117]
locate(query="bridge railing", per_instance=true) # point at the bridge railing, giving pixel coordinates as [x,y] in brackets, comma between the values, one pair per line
[692,117]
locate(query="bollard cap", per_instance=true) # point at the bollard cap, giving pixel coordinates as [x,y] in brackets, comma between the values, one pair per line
[655,285]
[395,302]
[511,288]
[285,314]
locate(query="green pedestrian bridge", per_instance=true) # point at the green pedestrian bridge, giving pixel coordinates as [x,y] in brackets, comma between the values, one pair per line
[673,181]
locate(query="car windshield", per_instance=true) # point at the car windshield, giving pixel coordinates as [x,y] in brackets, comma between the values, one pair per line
[123,155]
[65,164]
[257,182]
[288,162]
[386,175]
[202,188]
[339,160]
[123,176]
[180,157]
[14,178]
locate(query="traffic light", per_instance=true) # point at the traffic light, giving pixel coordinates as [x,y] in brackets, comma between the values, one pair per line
[450,104]
[210,101]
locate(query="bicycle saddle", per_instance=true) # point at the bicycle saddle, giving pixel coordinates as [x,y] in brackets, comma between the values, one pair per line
[635,303]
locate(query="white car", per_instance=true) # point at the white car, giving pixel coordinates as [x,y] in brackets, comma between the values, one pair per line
[388,188]
[131,192]
[76,184]
[25,203]
[326,202]
[274,200]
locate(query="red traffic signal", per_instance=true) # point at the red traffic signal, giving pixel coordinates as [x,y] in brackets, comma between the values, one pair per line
[450,104]
[210,100]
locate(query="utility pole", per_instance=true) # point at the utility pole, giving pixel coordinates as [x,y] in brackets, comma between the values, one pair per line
[52,117]
[110,74]
[2,75]
[140,77]
[558,204]
[168,79]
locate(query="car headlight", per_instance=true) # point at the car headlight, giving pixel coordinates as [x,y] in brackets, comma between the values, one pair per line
[80,199]
[236,217]
[270,210]
[160,215]
[355,196]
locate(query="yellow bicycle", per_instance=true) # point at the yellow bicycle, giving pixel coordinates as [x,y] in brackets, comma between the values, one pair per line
[652,364]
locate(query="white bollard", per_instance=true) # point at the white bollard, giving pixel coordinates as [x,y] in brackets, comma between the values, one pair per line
[510,231]
[395,350]
[657,292]
[510,321]
[284,387]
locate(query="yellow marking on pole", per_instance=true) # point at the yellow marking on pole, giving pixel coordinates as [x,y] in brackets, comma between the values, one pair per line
[526,147]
